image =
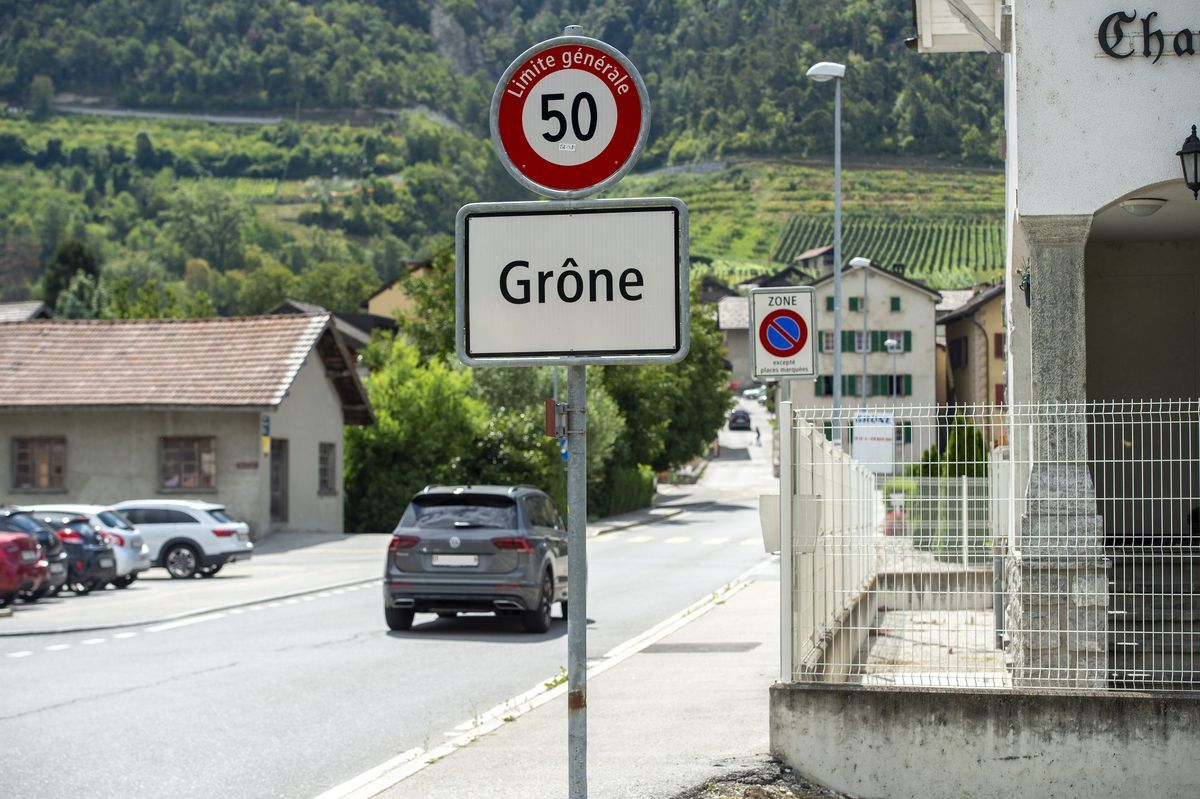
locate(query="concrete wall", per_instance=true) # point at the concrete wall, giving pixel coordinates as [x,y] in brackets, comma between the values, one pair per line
[309,415]
[897,742]
[1091,127]
[1143,338]
[113,455]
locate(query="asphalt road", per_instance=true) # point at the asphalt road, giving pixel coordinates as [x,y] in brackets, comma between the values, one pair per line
[290,698]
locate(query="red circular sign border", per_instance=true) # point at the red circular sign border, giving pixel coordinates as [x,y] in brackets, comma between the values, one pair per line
[772,316]
[520,158]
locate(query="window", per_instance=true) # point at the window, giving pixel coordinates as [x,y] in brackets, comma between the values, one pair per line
[999,393]
[856,303]
[895,303]
[824,386]
[861,341]
[998,345]
[39,464]
[326,468]
[957,350]
[187,464]
[826,341]
[829,303]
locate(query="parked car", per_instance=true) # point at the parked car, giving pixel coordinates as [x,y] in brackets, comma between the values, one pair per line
[21,521]
[10,575]
[462,549]
[756,393]
[24,551]
[130,551]
[188,537]
[739,419]
[91,563]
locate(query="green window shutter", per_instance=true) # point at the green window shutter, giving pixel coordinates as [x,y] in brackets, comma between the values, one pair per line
[828,427]
[847,341]
[908,385]
[817,387]
[820,341]
[907,432]
[877,339]
[877,384]
[854,303]
[829,303]
[895,303]
[908,341]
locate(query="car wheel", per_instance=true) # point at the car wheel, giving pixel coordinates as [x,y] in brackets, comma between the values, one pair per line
[125,581]
[82,588]
[448,614]
[30,597]
[6,600]
[538,619]
[38,594]
[398,618]
[181,561]
[209,571]
[564,609]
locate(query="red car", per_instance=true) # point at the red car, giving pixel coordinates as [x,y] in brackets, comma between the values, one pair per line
[32,570]
[10,577]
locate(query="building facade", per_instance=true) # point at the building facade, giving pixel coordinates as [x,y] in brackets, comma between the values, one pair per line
[246,412]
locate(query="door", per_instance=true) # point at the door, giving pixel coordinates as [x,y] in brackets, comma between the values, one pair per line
[279,480]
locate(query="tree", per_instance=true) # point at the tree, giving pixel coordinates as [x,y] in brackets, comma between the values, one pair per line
[430,323]
[208,223]
[41,92]
[265,287]
[81,300]
[71,257]
[337,286]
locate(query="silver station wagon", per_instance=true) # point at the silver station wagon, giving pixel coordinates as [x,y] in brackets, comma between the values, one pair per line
[470,549]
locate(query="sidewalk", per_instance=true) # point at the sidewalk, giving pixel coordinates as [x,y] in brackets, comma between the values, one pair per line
[686,709]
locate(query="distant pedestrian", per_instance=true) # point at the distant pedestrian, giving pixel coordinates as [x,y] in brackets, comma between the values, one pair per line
[757,436]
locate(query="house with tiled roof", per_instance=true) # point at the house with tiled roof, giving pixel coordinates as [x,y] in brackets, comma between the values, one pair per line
[247,412]
[24,311]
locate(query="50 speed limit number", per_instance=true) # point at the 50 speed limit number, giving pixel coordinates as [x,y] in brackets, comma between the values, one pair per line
[570,116]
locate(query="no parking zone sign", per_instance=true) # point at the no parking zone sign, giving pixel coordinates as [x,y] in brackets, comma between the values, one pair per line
[783,333]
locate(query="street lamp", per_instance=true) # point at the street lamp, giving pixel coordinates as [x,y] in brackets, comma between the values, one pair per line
[893,346]
[821,72]
[1189,156]
[865,263]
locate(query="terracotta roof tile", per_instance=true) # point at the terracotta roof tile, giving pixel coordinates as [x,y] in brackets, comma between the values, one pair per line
[219,363]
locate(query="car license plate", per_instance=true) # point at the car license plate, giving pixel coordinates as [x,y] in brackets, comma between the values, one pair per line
[105,563]
[456,560]
[56,568]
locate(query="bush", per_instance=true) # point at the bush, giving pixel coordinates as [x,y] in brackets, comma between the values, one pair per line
[628,488]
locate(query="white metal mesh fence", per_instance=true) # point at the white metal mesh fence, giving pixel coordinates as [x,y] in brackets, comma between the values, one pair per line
[1042,546]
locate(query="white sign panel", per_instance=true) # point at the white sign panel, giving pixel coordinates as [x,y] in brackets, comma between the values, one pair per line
[875,441]
[585,282]
[783,332]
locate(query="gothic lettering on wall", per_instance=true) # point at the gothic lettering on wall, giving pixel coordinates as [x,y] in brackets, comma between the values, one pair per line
[1120,34]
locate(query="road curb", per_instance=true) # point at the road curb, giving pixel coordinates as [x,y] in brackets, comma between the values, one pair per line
[186,614]
[637,522]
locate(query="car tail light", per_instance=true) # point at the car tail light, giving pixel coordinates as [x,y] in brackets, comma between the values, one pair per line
[519,544]
[403,542]
[115,539]
[70,536]
[223,532]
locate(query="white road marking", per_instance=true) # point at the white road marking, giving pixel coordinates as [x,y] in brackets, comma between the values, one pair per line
[125,635]
[308,598]
[257,607]
[24,654]
[756,541]
[92,641]
[339,590]
[715,541]
[292,601]
[235,611]
[639,539]
[678,539]
[171,625]
[324,594]
[274,604]
[57,647]
[374,781]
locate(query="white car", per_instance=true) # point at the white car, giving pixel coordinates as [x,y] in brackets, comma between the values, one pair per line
[129,550]
[188,537]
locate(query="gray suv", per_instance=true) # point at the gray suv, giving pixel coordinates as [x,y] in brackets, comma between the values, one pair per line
[467,549]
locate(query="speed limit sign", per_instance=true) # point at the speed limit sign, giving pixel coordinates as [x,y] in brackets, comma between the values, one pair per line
[570,117]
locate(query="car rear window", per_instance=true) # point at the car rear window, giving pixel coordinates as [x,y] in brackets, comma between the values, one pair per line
[21,523]
[114,519]
[460,510]
[220,515]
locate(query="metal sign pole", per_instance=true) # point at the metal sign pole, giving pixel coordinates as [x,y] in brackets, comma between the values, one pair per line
[577,577]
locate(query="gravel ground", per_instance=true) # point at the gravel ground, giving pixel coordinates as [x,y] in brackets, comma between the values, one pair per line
[771,781]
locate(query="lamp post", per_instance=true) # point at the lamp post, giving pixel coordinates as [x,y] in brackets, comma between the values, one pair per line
[1189,156]
[865,264]
[821,72]
[893,346]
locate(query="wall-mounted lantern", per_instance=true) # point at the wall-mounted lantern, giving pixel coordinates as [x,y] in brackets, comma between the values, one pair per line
[1189,156]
